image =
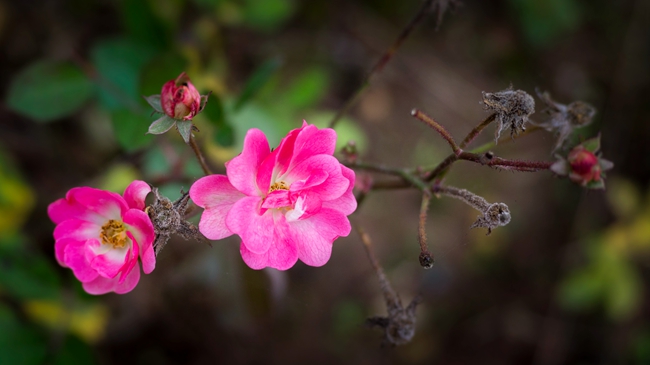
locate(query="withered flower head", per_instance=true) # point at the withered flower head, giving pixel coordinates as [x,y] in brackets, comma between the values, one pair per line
[563,119]
[168,218]
[512,109]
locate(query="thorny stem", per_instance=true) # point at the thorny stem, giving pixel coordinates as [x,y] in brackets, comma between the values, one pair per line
[488,159]
[473,200]
[426,259]
[199,156]
[383,61]
[487,146]
[440,129]
[405,175]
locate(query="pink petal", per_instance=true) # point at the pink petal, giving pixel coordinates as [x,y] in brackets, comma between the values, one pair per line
[217,196]
[306,205]
[74,258]
[347,203]
[335,184]
[102,285]
[72,230]
[242,170]
[285,151]
[77,229]
[281,255]
[129,283]
[311,141]
[131,260]
[277,199]
[148,258]
[87,204]
[267,169]
[108,264]
[255,230]
[167,97]
[314,236]
[135,194]
[140,226]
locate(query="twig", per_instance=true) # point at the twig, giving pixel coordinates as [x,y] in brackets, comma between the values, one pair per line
[440,129]
[404,174]
[477,130]
[488,159]
[383,61]
[199,156]
[426,259]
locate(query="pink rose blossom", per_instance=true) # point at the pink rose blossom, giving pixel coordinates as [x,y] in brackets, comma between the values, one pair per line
[100,235]
[285,205]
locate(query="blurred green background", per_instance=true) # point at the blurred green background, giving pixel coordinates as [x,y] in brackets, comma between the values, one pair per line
[564,283]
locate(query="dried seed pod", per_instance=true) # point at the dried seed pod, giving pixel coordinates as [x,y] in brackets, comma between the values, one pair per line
[494,216]
[169,218]
[512,109]
[563,119]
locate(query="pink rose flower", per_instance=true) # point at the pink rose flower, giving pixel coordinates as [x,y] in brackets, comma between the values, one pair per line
[100,235]
[285,205]
[180,99]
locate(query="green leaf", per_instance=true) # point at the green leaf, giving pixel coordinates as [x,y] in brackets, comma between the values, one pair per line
[49,90]
[142,24]
[307,89]
[600,184]
[20,343]
[130,129]
[27,275]
[214,111]
[154,101]
[161,125]
[592,145]
[74,351]
[119,63]
[225,135]
[259,78]
[268,15]
[165,67]
[185,129]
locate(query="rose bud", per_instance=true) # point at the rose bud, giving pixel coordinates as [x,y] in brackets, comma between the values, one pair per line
[180,99]
[584,166]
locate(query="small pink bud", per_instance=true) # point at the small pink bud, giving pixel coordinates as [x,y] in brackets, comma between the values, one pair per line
[180,99]
[584,166]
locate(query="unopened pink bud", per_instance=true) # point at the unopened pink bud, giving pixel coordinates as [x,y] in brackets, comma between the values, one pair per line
[584,166]
[180,99]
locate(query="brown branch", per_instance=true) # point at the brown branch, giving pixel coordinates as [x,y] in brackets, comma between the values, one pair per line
[384,59]
[426,259]
[440,129]
[199,156]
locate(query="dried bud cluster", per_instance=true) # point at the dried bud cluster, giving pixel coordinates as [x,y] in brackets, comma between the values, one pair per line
[169,218]
[399,326]
[565,118]
[512,109]
[494,215]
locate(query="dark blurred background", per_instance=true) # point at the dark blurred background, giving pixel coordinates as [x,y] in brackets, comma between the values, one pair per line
[564,283]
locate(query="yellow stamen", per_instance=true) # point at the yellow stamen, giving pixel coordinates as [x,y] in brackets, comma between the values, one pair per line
[114,233]
[280,185]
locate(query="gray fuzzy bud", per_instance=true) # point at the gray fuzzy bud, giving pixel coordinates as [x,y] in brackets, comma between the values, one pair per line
[512,109]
